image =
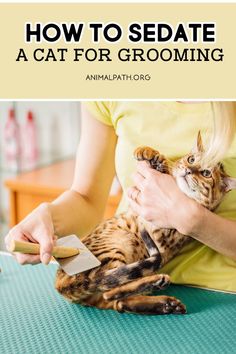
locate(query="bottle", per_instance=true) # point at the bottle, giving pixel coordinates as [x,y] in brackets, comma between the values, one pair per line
[12,142]
[29,143]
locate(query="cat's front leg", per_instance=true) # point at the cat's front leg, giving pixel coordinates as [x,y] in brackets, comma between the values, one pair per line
[156,160]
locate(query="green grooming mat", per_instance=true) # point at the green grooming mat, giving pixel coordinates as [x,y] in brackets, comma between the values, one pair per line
[34,318]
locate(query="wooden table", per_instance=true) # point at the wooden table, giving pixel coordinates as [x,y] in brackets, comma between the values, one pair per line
[28,190]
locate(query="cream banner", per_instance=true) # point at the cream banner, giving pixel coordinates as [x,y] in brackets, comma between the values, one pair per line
[123,51]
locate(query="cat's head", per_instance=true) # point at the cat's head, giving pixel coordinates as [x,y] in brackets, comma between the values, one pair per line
[207,185]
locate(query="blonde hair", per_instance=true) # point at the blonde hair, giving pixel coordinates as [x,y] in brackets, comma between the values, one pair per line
[224,129]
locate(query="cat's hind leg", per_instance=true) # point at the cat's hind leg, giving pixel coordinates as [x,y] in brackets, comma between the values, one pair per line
[150,305]
[139,286]
[126,273]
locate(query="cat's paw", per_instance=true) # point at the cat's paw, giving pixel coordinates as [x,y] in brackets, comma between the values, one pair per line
[173,305]
[156,160]
[145,153]
[162,282]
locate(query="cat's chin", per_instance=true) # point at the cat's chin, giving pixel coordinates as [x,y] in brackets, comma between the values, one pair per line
[184,187]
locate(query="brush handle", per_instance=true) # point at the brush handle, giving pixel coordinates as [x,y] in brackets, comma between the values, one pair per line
[34,248]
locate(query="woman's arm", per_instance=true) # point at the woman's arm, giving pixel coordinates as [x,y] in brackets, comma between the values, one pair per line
[214,231]
[164,204]
[81,208]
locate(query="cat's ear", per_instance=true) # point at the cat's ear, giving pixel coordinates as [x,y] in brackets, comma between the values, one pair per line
[230,183]
[198,146]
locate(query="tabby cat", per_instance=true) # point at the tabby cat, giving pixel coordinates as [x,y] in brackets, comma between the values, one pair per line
[131,250]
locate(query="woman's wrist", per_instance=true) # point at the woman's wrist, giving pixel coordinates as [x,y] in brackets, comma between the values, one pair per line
[190,218]
[59,208]
[73,213]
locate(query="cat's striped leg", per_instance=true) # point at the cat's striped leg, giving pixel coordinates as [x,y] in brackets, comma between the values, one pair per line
[124,274]
[150,305]
[139,286]
[115,277]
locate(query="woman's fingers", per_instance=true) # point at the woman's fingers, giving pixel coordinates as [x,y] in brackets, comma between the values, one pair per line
[145,170]
[24,258]
[37,227]
[138,180]
[143,167]
[135,206]
[14,234]
[133,194]
[46,246]
[45,240]
[7,241]
[21,258]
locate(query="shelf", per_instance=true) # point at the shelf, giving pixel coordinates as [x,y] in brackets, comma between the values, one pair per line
[44,161]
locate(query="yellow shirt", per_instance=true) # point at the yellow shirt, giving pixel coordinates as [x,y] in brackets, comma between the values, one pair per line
[171,128]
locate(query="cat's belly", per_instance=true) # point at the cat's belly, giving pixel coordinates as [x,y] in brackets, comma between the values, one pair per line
[115,239]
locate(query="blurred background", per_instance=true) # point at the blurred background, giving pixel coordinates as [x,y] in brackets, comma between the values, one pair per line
[38,141]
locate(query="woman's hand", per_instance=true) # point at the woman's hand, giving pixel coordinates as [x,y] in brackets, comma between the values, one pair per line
[36,227]
[157,198]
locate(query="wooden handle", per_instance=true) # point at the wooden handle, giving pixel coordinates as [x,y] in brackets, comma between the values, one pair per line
[34,248]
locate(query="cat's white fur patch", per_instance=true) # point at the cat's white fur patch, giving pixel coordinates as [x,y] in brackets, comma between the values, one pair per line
[184,187]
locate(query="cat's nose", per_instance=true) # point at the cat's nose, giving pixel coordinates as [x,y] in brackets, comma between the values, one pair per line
[187,171]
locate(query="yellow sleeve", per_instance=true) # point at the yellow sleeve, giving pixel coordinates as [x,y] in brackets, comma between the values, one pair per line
[100,110]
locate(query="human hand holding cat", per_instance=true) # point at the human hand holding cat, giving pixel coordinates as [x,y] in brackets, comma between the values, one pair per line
[156,197]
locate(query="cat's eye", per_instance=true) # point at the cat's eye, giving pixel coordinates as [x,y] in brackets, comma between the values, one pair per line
[191,159]
[206,173]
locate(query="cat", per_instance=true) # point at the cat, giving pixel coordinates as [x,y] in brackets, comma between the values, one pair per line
[131,249]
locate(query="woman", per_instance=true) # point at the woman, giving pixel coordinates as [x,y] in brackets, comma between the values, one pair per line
[110,133]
